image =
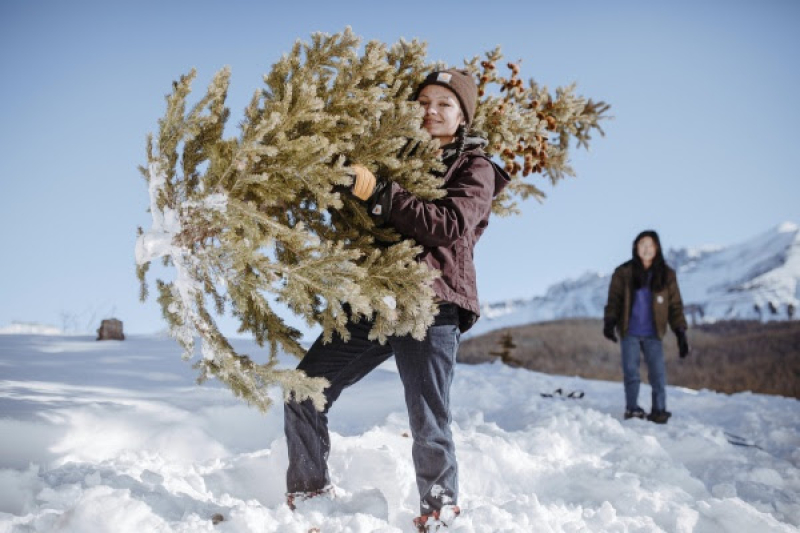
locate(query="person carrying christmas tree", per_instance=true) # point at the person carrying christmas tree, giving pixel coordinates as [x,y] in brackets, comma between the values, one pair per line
[447,229]
[643,297]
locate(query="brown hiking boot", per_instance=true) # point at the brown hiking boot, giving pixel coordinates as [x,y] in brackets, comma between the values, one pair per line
[293,498]
[433,521]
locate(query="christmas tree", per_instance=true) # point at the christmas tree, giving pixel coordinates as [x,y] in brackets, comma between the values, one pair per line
[267,214]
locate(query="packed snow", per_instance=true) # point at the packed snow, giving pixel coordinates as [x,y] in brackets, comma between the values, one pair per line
[116,437]
[758,279]
[29,328]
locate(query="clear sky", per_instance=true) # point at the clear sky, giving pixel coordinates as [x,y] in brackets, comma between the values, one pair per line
[702,148]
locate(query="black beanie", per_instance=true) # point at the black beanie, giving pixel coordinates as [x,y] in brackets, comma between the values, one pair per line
[461,83]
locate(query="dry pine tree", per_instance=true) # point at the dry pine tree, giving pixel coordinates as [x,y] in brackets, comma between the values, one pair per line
[243,222]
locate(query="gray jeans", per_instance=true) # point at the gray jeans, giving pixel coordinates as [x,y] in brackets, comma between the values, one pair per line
[426,370]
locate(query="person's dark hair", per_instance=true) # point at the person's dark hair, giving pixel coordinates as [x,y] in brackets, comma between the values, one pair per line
[657,273]
[461,139]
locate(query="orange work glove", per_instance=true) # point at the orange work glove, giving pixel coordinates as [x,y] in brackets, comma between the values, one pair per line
[364,182]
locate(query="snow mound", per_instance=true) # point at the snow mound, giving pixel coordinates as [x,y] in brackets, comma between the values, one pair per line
[96,441]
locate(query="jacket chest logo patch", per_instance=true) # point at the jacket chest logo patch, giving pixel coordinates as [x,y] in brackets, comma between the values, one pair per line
[660,299]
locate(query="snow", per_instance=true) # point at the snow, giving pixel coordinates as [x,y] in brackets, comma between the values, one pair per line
[29,328]
[389,301]
[115,436]
[160,241]
[157,241]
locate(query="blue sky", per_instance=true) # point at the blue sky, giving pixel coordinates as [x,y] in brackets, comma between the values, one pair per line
[702,147]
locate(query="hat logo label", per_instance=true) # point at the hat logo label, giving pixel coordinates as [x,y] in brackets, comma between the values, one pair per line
[444,77]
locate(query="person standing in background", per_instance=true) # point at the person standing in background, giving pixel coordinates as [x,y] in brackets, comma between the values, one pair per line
[643,297]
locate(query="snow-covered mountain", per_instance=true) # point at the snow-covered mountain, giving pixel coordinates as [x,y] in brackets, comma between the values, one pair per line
[756,279]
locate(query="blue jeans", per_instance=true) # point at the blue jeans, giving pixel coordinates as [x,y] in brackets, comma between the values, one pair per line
[426,371]
[656,372]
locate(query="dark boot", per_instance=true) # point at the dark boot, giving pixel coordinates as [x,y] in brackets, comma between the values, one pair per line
[659,417]
[636,412]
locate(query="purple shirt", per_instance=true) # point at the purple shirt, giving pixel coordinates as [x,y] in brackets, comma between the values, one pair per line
[641,322]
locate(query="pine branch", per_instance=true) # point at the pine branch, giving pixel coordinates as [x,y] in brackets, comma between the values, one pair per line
[528,128]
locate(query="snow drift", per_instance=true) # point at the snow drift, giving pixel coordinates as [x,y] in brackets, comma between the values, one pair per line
[115,437]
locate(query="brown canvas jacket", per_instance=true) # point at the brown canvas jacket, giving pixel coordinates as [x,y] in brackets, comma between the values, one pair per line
[667,303]
[449,228]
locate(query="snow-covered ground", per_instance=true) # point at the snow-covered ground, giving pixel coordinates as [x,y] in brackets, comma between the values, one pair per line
[115,437]
[29,328]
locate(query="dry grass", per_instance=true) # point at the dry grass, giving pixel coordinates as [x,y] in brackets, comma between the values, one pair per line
[727,357]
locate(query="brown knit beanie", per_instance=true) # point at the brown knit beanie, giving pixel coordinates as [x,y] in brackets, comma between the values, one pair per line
[461,83]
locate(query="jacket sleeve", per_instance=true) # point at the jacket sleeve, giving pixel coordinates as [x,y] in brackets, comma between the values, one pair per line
[444,221]
[616,295]
[677,320]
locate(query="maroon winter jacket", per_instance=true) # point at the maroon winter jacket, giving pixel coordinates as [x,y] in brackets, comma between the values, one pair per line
[449,228]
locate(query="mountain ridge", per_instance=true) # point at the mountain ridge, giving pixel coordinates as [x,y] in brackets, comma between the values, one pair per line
[756,279]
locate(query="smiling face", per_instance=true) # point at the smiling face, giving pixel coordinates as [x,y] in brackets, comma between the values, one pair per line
[646,249]
[443,113]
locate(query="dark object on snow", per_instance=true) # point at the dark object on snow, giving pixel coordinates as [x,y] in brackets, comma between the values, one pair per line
[110,330]
[659,417]
[736,440]
[217,518]
[559,393]
[636,412]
